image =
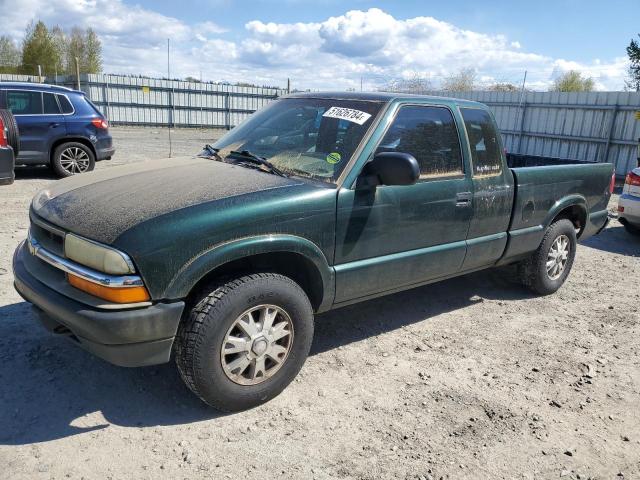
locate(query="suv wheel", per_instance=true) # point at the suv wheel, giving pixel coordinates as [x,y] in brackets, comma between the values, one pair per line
[548,267]
[243,343]
[72,158]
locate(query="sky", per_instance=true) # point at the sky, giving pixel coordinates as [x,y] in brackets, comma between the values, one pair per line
[340,44]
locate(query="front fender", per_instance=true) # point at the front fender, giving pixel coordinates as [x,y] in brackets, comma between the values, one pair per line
[191,273]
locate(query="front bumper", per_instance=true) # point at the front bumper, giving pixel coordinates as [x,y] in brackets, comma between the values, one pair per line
[129,338]
[7,166]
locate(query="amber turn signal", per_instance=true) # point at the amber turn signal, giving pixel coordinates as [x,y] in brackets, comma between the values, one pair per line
[111,294]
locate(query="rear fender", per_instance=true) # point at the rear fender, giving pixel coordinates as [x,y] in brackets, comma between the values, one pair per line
[574,200]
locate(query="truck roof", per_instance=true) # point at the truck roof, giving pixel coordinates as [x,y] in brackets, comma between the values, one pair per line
[384,97]
[44,86]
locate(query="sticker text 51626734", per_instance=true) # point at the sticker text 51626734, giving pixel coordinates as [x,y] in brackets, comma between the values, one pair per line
[349,114]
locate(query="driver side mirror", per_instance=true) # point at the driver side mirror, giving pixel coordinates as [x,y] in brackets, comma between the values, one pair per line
[390,168]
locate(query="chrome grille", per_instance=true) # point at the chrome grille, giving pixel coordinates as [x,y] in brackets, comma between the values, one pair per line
[47,235]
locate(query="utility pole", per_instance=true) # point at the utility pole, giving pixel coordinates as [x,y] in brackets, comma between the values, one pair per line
[39,74]
[201,103]
[170,117]
[77,73]
[288,85]
[360,83]
[523,107]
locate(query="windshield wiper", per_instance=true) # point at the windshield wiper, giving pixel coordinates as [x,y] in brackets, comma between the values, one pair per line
[246,155]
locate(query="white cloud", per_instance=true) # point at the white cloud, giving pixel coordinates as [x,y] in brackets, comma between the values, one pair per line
[332,54]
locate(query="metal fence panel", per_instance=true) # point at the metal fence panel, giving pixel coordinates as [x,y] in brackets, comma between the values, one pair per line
[587,126]
[158,102]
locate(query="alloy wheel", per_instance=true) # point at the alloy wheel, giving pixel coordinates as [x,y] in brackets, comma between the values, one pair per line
[257,345]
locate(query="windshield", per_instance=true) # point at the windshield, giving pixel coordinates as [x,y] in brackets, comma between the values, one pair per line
[311,137]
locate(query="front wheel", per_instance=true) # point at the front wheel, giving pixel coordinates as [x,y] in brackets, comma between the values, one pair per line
[548,267]
[243,343]
[72,158]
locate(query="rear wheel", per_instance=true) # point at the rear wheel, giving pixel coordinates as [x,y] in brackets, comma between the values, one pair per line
[72,158]
[244,342]
[13,136]
[548,267]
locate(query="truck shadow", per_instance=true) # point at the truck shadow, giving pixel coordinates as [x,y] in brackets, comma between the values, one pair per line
[52,389]
[615,239]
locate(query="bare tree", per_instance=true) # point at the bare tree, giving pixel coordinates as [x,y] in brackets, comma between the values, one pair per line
[9,55]
[503,87]
[415,84]
[463,81]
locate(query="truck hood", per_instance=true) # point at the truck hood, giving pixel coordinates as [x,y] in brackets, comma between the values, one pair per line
[102,205]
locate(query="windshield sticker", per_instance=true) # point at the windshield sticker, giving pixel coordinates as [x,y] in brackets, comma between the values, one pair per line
[349,114]
[334,158]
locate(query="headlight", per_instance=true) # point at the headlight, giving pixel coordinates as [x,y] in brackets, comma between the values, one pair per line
[96,256]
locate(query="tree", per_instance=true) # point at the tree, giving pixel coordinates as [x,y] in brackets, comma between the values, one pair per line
[38,48]
[60,41]
[503,87]
[9,55]
[92,61]
[76,49]
[573,81]
[463,81]
[633,50]
[414,84]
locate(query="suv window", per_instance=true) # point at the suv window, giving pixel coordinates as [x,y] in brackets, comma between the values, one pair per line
[430,135]
[22,102]
[50,104]
[483,140]
[65,104]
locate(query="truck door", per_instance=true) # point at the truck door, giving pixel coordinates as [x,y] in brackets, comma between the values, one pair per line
[392,237]
[492,190]
[39,122]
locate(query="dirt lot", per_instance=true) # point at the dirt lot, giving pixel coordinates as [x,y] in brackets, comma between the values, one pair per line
[470,378]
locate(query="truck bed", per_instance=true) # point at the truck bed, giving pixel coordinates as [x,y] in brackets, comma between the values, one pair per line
[544,187]
[515,160]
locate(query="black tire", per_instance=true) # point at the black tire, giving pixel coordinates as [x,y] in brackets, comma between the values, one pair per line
[632,229]
[533,273]
[13,134]
[57,162]
[200,338]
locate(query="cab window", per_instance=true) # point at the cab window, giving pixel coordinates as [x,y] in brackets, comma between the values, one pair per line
[484,142]
[430,135]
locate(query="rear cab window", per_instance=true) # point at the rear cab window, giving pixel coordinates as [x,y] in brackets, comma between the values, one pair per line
[24,102]
[50,104]
[65,104]
[486,153]
[430,134]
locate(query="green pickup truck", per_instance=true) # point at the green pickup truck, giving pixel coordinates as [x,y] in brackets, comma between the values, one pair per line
[315,202]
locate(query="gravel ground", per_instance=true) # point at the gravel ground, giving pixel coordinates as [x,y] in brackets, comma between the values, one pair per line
[470,378]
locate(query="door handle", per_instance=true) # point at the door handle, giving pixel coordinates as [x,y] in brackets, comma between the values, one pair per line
[463,199]
[54,125]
